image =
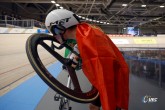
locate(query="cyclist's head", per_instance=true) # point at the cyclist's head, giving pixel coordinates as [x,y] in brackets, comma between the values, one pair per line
[57,21]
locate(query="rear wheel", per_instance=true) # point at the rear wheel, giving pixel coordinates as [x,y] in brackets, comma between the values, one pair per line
[33,44]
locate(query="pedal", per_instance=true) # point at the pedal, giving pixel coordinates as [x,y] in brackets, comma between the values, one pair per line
[57,97]
[64,67]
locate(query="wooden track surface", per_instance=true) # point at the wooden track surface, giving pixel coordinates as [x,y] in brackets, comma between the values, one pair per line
[14,64]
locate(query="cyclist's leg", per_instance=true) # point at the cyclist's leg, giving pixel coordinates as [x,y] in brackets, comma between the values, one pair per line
[95,105]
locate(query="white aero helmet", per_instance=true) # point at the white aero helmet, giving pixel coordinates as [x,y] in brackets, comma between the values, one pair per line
[57,21]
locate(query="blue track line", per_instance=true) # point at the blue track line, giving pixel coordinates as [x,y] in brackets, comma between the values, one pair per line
[27,95]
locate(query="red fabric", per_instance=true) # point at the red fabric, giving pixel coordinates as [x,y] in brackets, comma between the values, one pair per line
[104,66]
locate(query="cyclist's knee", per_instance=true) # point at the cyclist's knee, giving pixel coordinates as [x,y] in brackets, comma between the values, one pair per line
[93,107]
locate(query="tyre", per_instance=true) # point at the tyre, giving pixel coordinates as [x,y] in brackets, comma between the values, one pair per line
[76,94]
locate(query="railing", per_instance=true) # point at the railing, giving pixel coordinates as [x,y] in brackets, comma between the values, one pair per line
[147,63]
[7,21]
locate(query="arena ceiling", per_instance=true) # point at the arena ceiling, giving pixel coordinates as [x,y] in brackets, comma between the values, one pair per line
[101,12]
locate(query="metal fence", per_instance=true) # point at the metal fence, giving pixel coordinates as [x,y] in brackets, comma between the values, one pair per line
[7,21]
[147,63]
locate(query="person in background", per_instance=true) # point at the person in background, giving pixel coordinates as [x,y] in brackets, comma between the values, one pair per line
[102,62]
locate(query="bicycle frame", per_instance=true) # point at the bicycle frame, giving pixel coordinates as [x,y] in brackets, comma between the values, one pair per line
[32,48]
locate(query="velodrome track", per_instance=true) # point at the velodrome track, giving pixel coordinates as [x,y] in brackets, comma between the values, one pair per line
[17,77]
[14,65]
[34,93]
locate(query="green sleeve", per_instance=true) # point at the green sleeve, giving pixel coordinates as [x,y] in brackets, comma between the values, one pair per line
[71,43]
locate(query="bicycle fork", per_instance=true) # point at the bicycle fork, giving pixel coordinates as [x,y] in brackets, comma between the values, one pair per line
[64,102]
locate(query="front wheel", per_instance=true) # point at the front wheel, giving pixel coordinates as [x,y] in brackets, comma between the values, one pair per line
[33,44]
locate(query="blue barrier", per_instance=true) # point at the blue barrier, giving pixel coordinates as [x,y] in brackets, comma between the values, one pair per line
[42,31]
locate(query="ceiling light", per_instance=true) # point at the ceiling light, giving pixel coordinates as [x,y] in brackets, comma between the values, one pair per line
[161,6]
[97,21]
[124,4]
[87,19]
[83,17]
[57,5]
[90,19]
[124,28]
[53,1]
[101,22]
[107,23]
[61,7]
[143,5]
[157,18]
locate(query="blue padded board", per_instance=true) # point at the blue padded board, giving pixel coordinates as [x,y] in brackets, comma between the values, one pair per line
[28,94]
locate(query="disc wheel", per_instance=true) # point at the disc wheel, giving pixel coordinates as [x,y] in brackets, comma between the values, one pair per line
[75,94]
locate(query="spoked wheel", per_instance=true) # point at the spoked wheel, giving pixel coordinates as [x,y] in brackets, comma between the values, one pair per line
[76,94]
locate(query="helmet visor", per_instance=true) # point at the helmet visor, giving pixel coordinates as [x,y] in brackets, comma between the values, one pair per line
[57,30]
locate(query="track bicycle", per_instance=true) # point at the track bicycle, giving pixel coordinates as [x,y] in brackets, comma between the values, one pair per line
[34,42]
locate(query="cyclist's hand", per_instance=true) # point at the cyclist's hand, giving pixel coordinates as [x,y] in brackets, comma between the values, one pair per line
[75,61]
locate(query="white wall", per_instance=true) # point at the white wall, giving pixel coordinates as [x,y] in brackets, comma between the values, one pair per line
[151,42]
